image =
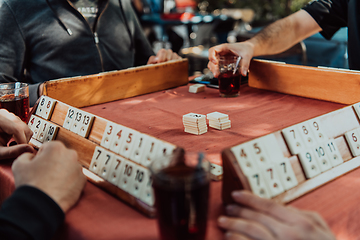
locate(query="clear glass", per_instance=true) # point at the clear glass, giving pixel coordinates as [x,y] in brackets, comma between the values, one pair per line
[181,187]
[230,77]
[15,98]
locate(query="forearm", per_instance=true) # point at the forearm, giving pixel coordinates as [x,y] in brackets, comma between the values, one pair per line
[283,34]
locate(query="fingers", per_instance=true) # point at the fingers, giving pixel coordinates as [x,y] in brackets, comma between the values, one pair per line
[13,126]
[15,151]
[163,55]
[235,236]
[265,206]
[250,229]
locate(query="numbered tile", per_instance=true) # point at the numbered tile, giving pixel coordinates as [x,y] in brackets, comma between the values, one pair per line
[309,163]
[96,160]
[293,139]
[48,108]
[147,193]
[70,115]
[115,170]
[138,147]
[43,130]
[165,149]
[51,133]
[272,148]
[109,133]
[353,140]
[127,175]
[128,142]
[41,106]
[37,128]
[32,122]
[138,181]
[258,149]
[244,157]
[306,134]
[272,179]
[86,124]
[119,137]
[76,123]
[105,164]
[150,151]
[286,174]
[216,172]
[333,152]
[258,186]
[317,129]
[323,157]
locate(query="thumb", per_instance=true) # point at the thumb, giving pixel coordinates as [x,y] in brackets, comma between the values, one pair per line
[15,151]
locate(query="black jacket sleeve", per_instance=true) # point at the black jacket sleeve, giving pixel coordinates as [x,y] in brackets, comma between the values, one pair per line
[29,214]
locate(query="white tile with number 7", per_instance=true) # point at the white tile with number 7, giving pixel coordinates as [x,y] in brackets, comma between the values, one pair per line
[293,139]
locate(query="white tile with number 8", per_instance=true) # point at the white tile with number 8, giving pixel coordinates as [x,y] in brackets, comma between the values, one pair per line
[306,134]
[48,108]
[41,106]
[353,140]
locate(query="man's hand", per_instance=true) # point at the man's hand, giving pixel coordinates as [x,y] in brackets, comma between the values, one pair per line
[244,49]
[54,170]
[163,55]
[12,126]
[258,218]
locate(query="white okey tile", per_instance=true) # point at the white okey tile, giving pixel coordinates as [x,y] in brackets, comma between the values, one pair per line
[128,142]
[244,157]
[96,160]
[48,108]
[70,115]
[309,163]
[272,148]
[333,152]
[138,146]
[105,164]
[42,133]
[127,173]
[306,134]
[258,148]
[322,156]
[293,139]
[86,124]
[272,180]
[76,123]
[115,170]
[109,133]
[32,122]
[216,172]
[286,173]
[37,127]
[51,132]
[138,182]
[165,149]
[41,106]
[353,140]
[258,186]
[317,129]
[356,107]
[149,151]
[119,138]
[147,193]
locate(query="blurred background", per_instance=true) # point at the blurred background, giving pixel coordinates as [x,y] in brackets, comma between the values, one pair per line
[191,27]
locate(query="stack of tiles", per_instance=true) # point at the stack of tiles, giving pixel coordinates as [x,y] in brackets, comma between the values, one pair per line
[195,123]
[218,120]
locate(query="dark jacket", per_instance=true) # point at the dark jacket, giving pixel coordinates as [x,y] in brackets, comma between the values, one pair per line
[42,40]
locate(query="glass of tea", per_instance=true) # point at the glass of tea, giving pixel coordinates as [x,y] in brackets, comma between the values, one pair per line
[181,186]
[230,76]
[14,97]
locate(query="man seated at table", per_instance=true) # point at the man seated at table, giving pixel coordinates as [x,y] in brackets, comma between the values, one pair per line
[44,40]
[48,183]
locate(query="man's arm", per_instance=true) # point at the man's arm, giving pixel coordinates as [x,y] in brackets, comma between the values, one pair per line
[275,38]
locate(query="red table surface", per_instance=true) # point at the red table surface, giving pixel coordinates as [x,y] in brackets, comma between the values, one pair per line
[99,215]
